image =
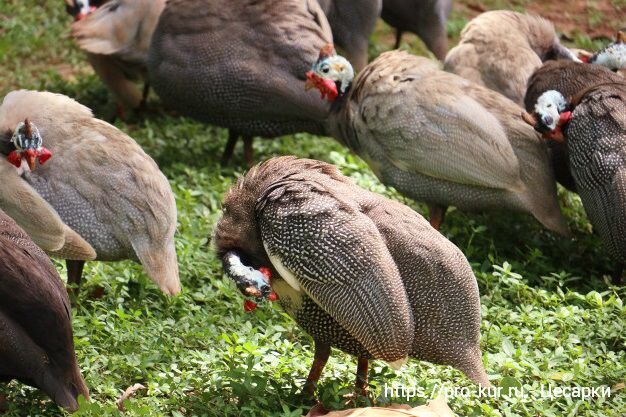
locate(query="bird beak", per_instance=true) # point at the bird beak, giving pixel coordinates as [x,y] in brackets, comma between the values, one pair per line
[31,159]
[530,119]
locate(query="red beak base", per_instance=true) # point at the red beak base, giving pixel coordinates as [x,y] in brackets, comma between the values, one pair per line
[249,305]
[326,87]
[31,156]
[557,134]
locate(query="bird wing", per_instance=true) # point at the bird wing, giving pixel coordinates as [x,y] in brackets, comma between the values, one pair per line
[38,218]
[31,292]
[433,128]
[330,250]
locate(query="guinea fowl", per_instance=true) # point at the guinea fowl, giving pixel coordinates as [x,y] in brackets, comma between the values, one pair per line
[612,56]
[99,183]
[357,271]
[570,78]
[593,125]
[240,65]
[116,37]
[37,345]
[501,49]
[426,18]
[437,137]
[352,24]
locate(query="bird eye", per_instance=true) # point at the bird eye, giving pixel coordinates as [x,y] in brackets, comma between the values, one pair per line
[549,105]
[325,69]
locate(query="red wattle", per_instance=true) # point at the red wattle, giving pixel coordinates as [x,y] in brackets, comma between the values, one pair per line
[249,306]
[565,117]
[43,155]
[15,158]
[273,296]
[266,273]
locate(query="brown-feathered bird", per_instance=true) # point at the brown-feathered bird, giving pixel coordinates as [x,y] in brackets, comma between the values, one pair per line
[352,23]
[501,49]
[240,65]
[116,37]
[570,78]
[593,126]
[439,138]
[426,18]
[37,346]
[98,186]
[356,271]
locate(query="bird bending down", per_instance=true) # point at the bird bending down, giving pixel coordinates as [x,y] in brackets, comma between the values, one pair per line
[437,137]
[99,195]
[358,272]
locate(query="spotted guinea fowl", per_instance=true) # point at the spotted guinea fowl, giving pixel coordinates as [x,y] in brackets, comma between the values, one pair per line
[116,37]
[356,271]
[569,78]
[37,346]
[239,64]
[98,183]
[352,23]
[612,56]
[437,137]
[593,125]
[426,18]
[501,49]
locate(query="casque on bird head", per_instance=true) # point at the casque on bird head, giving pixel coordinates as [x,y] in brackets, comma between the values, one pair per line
[331,74]
[613,56]
[28,146]
[79,9]
[550,115]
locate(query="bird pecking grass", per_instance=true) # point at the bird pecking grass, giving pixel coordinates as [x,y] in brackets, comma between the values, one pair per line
[551,319]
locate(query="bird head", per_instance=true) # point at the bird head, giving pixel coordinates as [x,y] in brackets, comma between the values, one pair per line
[28,146]
[549,115]
[79,9]
[613,56]
[331,74]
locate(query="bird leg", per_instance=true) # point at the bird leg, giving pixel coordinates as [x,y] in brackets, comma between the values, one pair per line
[248,151]
[361,376]
[322,353]
[144,96]
[230,146]
[398,39]
[74,272]
[436,215]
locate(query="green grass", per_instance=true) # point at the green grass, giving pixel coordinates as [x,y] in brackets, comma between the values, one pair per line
[550,315]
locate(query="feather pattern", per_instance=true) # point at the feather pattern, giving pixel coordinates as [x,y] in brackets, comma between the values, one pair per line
[444,140]
[115,198]
[241,65]
[35,320]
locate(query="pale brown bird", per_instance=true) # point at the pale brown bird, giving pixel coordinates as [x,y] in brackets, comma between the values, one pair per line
[358,272]
[37,346]
[437,137]
[99,187]
[500,49]
[116,37]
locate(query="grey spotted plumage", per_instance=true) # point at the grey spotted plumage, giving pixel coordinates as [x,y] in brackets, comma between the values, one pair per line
[36,342]
[355,270]
[569,78]
[99,196]
[352,23]
[500,49]
[426,18]
[241,64]
[596,141]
